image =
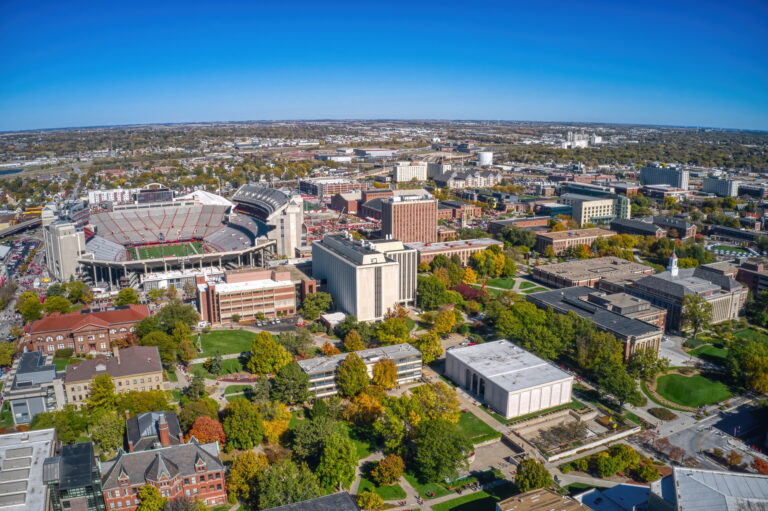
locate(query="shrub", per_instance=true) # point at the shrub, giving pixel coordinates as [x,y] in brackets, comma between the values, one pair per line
[565,468]
[662,413]
[65,353]
[647,473]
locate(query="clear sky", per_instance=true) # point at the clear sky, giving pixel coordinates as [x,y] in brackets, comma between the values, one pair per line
[72,63]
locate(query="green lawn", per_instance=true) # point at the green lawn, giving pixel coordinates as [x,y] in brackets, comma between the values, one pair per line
[424,489]
[225,342]
[62,363]
[361,437]
[176,395]
[172,377]
[170,250]
[411,323]
[232,397]
[232,365]
[576,488]
[394,492]
[236,389]
[711,354]
[480,501]
[491,291]
[527,285]
[751,334]
[504,283]
[691,391]
[477,430]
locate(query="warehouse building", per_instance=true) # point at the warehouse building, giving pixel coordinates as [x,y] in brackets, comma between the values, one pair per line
[511,380]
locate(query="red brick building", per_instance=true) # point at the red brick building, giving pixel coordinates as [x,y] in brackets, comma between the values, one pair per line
[410,218]
[192,470]
[83,331]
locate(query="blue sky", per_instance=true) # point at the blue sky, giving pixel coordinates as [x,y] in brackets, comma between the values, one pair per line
[93,63]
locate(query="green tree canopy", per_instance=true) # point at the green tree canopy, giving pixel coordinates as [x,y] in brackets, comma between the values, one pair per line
[102,397]
[441,450]
[127,296]
[352,375]
[337,463]
[531,475]
[150,499]
[314,305]
[286,482]
[267,356]
[291,384]
[242,424]
[57,304]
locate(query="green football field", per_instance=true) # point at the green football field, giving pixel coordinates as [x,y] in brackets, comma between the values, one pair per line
[170,250]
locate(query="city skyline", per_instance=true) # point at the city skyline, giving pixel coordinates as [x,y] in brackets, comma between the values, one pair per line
[690,64]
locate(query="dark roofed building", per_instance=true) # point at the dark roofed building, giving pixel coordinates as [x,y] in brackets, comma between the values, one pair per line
[190,470]
[676,227]
[151,430]
[333,502]
[73,479]
[637,227]
[35,388]
[633,333]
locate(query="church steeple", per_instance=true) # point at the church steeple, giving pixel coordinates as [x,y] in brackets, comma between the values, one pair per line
[672,266]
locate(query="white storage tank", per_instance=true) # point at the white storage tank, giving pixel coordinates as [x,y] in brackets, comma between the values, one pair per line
[485,158]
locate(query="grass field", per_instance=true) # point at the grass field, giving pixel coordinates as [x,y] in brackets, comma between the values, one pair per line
[751,334]
[394,492]
[62,363]
[480,501]
[504,283]
[477,430]
[711,354]
[225,342]
[691,391]
[227,367]
[425,489]
[170,250]
[236,389]
[6,419]
[534,290]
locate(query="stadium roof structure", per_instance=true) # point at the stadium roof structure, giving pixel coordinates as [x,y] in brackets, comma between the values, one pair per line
[267,200]
[207,198]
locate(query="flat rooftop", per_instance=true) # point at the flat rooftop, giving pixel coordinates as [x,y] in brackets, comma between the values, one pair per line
[251,285]
[605,267]
[453,245]
[577,233]
[22,456]
[370,356]
[508,365]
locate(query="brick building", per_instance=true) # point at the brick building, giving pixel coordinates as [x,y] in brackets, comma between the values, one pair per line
[248,294]
[192,470]
[325,187]
[461,248]
[562,240]
[410,218]
[84,331]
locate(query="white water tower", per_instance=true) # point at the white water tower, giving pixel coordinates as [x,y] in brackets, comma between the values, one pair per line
[485,158]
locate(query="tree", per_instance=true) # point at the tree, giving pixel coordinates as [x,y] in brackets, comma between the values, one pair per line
[57,304]
[389,470]
[196,409]
[441,450]
[102,397]
[261,390]
[392,331]
[370,501]
[329,349]
[760,465]
[353,341]
[646,364]
[298,342]
[748,364]
[385,374]
[338,462]
[430,293]
[137,402]
[734,459]
[206,429]
[616,381]
[470,277]
[697,313]
[244,474]
[174,312]
[291,384]
[213,364]
[436,401]
[150,499]
[286,482]
[351,375]
[267,356]
[107,433]
[314,305]
[242,424]
[444,322]
[165,345]
[79,291]
[187,351]
[364,409]
[7,351]
[196,388]
[532,475]
[69,423]
[56,290]
[309,438]
[155,294]
[29,306]
[429,345]
[127,296]
[606,465]
[235,318]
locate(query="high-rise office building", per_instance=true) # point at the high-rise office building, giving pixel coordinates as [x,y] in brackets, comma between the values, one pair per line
[658,175]
[409,218]
[64,245]
[721,187]
[365,278]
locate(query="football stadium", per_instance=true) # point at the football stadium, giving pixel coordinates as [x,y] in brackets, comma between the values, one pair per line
[199,230]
